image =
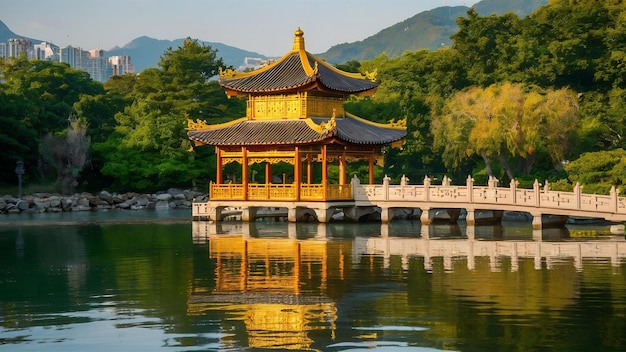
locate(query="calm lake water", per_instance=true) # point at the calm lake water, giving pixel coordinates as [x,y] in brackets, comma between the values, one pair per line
[164,283]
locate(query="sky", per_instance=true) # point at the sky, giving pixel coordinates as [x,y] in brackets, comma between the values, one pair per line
[262,26]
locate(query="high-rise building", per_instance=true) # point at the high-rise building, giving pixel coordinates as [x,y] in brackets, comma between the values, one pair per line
[75,57]
[17,46]
[98,66]
[4,54]
[121,65]
[44,51]
[94,62]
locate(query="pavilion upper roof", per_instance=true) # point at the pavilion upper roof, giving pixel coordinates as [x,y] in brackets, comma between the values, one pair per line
[298,70]
[247,132]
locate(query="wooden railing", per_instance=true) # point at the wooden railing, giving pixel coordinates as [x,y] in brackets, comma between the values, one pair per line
[280,192]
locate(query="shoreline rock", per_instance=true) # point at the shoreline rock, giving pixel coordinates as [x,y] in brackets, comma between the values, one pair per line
[173,198]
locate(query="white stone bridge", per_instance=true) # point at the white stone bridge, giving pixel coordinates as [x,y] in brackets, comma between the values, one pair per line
[479,202]
[538,201]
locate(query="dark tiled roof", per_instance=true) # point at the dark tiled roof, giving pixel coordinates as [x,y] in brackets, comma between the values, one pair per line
[260,132]
[359,132]
[289,73]
[255,132]
[342,83]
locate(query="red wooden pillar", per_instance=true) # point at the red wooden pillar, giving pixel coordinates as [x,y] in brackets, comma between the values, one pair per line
[309,169]
[244,172]
[371,169]
[218,175]
[324,169]
[297,172]
[268,173]
[342,169]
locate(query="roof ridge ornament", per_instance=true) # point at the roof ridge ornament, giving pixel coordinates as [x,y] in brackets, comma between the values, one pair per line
[400,123]
[298,40]
[330,126]
[227,73]
[197,125]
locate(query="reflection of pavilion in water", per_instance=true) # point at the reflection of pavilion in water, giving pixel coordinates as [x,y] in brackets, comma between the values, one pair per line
[282,280]
[275,284]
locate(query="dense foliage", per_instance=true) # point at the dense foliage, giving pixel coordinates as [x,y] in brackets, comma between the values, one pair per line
[513,97]
[536,97]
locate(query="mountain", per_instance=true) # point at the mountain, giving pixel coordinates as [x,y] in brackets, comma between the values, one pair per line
[426,30]
[6,34]
[145,52]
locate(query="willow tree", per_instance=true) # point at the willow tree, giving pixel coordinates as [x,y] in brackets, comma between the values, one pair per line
[505,121]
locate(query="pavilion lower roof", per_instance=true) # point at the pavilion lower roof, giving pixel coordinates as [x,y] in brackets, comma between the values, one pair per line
[295,132]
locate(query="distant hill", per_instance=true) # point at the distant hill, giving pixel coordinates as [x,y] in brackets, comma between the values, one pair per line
[6,34]
[426,30]
[145,52]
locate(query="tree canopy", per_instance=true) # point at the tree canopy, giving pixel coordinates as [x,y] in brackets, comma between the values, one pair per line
[513,97]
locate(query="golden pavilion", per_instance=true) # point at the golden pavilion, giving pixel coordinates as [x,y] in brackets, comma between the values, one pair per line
[294,115]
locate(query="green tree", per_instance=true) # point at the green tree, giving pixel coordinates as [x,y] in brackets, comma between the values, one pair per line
[17,140]
[150,149]
[598,171]
[486,44]
[39,97]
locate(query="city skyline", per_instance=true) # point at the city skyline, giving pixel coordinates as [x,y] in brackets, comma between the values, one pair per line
[264,27]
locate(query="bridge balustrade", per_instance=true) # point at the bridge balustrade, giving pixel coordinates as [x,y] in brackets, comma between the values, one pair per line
[541,198]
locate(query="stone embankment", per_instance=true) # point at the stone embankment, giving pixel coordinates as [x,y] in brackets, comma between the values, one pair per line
[45,202]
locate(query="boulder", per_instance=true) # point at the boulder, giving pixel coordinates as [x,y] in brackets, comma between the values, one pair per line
[164,197]
[23,205]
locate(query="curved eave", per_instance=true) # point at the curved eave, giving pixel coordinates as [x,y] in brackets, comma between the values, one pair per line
[359,131]
[251,132]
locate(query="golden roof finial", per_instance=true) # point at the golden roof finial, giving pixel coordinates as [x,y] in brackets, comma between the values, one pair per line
[298,40]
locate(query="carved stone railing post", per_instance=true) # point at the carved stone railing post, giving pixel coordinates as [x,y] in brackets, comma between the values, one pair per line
[355,183]
[492,184]
[513,186]
[537,190]
[614,192]
[426,188]
[386,186]
[578,195]
[404,181]
[470,188]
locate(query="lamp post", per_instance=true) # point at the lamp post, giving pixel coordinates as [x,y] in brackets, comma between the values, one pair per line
[19,170]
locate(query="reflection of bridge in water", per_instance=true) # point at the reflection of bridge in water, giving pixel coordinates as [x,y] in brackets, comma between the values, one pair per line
[411,239]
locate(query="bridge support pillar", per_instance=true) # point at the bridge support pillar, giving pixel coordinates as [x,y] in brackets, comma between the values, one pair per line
[324,215]
[425,218]
[537,235]
[292,214]
[386,214]
[537,223]
[470,218]
[425,232]
[215,214]
[470,231]
[248,214]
